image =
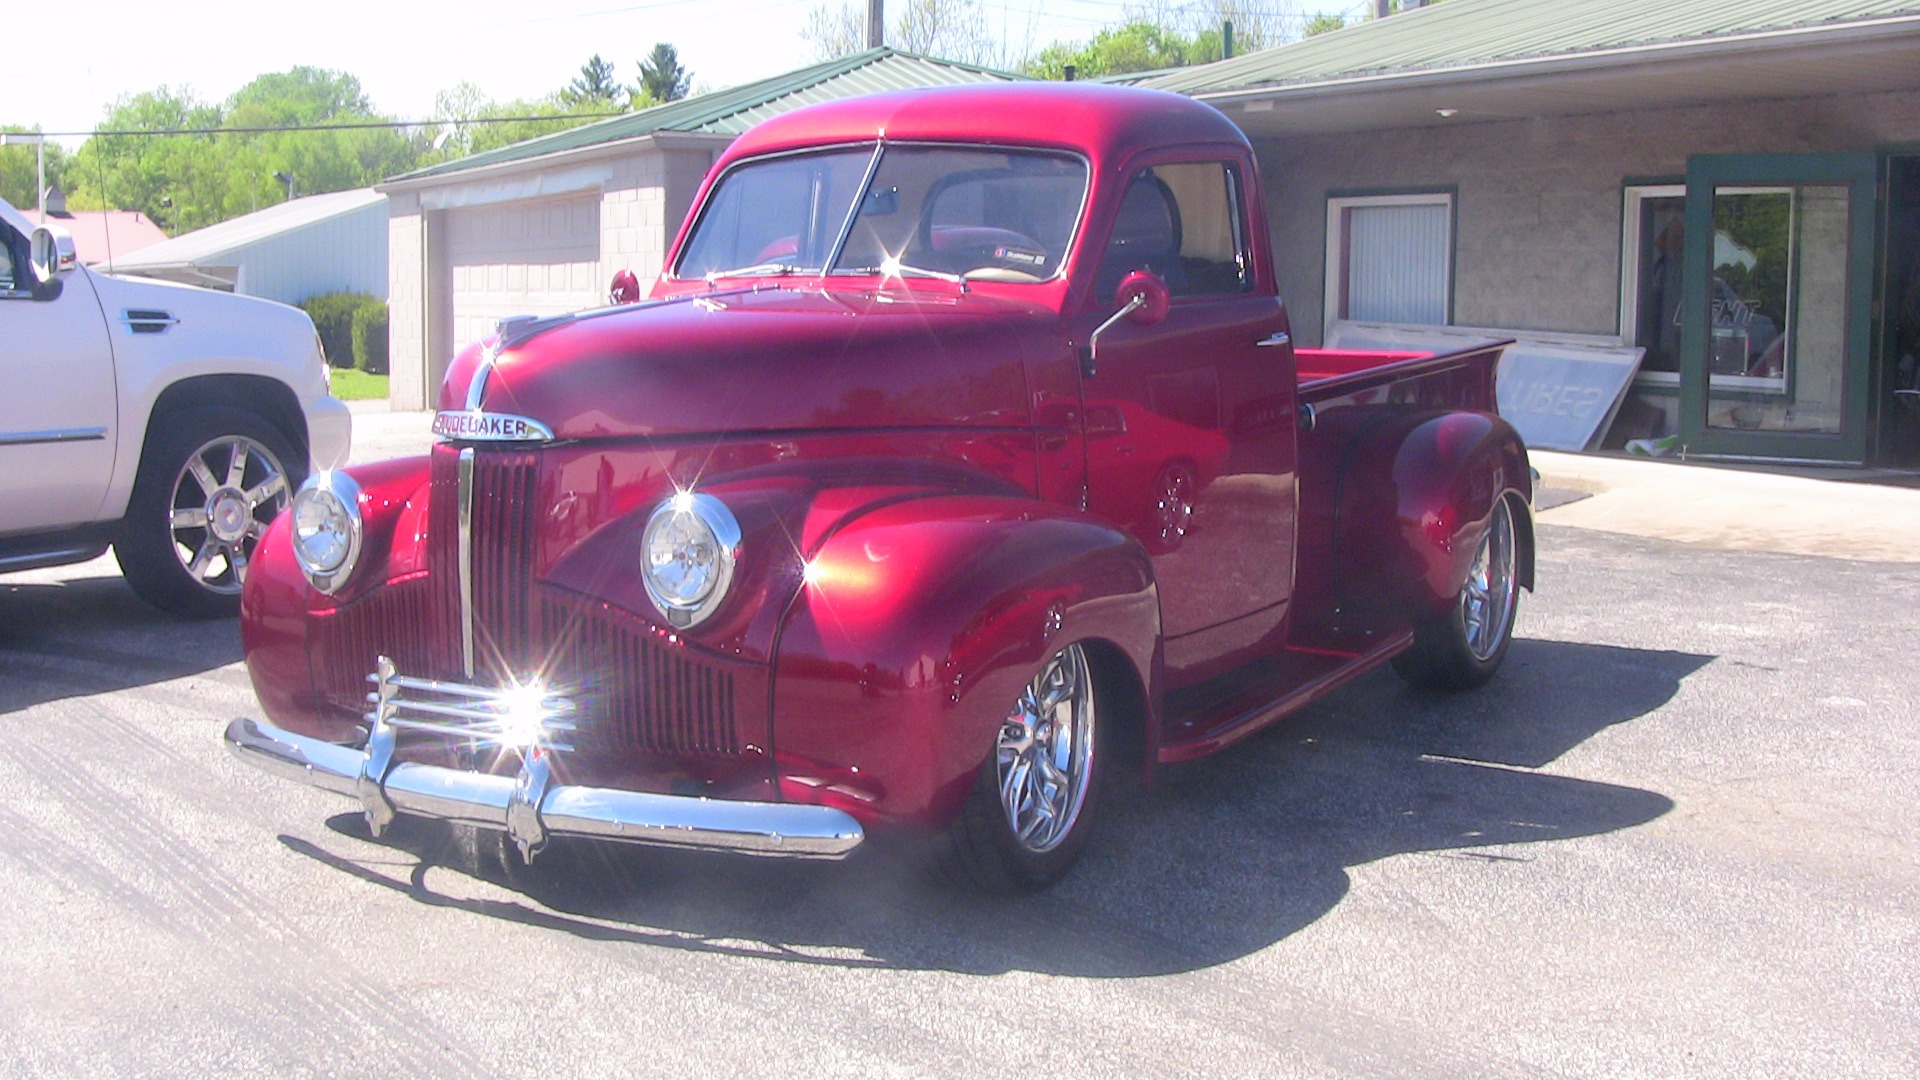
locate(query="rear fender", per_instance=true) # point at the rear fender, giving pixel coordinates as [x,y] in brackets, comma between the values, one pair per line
[915,629]
[1407,546]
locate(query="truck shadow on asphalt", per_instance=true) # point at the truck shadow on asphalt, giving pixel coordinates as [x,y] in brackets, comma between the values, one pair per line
[92,635]
[1222,858]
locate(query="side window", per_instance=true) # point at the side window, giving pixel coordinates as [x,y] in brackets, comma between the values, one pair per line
[1182,222]
[12,270]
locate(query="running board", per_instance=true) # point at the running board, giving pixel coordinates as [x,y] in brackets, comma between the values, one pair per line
[1297,678]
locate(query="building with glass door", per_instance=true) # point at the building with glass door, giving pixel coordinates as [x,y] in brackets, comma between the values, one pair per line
[1727,194]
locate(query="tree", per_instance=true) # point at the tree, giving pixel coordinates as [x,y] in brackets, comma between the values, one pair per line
[468,111]
[206,162]
[662,79]
[19,169]
[1137,46]
[1324,24]
[949,29]
[596,84]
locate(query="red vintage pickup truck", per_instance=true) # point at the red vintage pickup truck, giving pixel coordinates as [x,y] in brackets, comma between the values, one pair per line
[960,457]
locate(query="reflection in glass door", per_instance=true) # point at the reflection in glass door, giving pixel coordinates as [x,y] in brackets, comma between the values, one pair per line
[1775,319]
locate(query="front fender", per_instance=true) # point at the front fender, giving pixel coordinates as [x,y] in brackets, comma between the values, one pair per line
[277,599]
[917,625]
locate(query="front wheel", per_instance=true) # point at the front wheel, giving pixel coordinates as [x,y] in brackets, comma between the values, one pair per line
[211,480]
[1462,648]
[1032,805]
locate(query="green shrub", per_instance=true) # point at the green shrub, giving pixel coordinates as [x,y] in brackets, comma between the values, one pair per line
[332,315]
[370,338]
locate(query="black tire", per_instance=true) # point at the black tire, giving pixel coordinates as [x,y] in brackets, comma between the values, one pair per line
[196,570]
[982,850]
[1463,647]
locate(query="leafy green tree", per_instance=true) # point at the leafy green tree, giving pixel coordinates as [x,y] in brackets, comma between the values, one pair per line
[594,84]
[471,117]
[1137,46]
[208,162]
[662,79]
[1325,24]
[19,169]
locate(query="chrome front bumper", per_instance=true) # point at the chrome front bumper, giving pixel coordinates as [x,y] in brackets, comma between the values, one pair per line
[531,810]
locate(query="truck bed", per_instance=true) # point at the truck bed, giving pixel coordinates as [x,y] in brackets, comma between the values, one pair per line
[1324,374]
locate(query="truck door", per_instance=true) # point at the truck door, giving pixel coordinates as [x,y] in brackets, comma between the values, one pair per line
[1189,424]
[57,398]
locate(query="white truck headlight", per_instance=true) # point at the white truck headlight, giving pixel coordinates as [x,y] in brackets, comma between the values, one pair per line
[327,528]
[687,556]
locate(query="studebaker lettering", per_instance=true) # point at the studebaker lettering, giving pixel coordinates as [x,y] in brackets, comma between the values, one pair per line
[488,427]
[952,465]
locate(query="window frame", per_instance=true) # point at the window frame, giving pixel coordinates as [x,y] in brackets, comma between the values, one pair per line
[1336,253]
[1632,195]
[1240,212]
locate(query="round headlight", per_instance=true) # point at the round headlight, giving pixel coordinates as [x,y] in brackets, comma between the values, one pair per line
[687,554]
[326,528]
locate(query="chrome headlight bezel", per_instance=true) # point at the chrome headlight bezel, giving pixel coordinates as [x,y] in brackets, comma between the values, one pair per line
[340,490]
[712,516]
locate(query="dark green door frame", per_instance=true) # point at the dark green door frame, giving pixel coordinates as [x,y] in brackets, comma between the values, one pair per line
[1705,172]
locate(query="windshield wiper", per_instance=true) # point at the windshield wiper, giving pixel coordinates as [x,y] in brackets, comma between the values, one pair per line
[768,269]
[900,269]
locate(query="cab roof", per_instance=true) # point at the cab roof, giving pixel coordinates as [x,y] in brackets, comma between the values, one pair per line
[1107,123]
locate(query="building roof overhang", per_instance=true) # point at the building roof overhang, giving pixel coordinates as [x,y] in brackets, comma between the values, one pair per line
[1872,56]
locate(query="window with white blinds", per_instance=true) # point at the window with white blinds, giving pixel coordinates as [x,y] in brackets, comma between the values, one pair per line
[1390,258]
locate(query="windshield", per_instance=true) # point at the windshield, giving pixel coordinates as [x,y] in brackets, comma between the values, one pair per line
[931,211]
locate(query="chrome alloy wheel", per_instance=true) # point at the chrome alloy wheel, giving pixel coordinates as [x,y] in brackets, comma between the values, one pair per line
[1486,603]
[223,497]
[1045,752]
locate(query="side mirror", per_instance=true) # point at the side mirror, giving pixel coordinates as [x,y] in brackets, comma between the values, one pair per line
[1151,292]
[625,288]
[52,254]
[1143,299]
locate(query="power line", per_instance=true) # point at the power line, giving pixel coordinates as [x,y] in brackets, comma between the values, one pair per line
[351,126]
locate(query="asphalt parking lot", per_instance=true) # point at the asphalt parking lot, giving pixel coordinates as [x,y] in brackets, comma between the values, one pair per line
[1676,837]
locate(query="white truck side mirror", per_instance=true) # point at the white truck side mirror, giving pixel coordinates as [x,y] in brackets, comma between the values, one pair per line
[52,255]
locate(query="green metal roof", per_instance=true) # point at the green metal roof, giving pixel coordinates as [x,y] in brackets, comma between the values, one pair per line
[1465,33]
[732,111]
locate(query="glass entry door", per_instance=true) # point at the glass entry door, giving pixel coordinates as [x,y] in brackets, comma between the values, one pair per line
[1776,308]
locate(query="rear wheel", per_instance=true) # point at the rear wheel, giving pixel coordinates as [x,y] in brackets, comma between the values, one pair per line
[1462,648]
[1032,805]
[211,480]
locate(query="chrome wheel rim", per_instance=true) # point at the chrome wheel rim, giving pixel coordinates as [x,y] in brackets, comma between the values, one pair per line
[1045,752]
[1486,603]
[1173,508]
[223,497]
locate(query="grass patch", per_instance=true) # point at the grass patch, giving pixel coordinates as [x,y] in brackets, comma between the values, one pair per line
[352,384]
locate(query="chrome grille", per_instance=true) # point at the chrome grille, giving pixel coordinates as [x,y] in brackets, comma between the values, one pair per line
[504,536]
[633,690]
[518,717]
[638,692]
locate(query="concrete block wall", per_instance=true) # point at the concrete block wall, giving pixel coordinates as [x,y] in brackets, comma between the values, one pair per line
[1539,201]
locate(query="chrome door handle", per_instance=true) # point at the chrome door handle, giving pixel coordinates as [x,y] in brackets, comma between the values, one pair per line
[1281,338]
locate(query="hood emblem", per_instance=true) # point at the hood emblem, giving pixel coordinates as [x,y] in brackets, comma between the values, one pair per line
[478,425]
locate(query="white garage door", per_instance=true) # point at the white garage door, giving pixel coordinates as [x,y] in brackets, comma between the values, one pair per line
[539,257]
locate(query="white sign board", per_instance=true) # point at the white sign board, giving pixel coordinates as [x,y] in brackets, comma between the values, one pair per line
[1559,395]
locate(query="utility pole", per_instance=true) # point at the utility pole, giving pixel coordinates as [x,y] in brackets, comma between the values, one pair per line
[1226,40]
[876,23]
[39,144]
[1380,9]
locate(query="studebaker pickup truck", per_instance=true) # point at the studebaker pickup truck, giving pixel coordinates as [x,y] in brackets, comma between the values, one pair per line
[955,460]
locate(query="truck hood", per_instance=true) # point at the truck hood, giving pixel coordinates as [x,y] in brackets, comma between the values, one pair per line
[781,358]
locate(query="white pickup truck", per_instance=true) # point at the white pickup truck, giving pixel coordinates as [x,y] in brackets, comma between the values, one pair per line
[169,422]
